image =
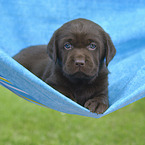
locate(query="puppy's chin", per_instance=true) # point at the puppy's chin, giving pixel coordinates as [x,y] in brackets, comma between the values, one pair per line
[80,76]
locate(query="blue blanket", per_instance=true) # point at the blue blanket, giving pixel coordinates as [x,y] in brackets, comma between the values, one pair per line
[25,23]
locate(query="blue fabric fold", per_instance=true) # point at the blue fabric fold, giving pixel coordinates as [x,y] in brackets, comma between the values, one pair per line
[26,23]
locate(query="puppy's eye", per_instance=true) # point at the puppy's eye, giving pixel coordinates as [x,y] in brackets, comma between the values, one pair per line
[67,46]
[92,46]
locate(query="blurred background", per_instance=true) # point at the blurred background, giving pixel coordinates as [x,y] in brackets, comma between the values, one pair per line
[24,123]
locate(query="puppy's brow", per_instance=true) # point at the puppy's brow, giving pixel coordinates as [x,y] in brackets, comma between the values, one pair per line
[70,40]
[94,39]
[90,40]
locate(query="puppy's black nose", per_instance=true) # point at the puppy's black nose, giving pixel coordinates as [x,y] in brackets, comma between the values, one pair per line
[80,62]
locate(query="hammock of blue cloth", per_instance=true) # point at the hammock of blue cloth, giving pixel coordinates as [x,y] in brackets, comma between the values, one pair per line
[26,23]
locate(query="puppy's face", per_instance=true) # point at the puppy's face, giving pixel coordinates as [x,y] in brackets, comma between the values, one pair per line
[80,47]
[80,54]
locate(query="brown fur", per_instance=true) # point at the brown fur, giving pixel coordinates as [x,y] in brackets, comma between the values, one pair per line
[79,72]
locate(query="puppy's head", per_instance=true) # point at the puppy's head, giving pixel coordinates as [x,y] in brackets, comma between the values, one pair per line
[80,47]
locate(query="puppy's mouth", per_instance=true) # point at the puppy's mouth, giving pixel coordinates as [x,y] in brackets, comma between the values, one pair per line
[79,75]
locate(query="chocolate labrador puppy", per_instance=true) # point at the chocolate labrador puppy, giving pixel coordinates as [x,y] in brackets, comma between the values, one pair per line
[74,62]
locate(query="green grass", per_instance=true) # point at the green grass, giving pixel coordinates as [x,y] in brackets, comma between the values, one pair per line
[24,123]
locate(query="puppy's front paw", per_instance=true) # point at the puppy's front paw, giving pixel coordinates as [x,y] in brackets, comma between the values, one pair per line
[96,105]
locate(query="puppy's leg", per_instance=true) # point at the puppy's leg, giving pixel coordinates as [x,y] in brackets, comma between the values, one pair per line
[97,104]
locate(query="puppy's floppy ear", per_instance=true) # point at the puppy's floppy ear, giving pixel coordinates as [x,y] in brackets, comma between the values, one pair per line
[109,49]
[52,48]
